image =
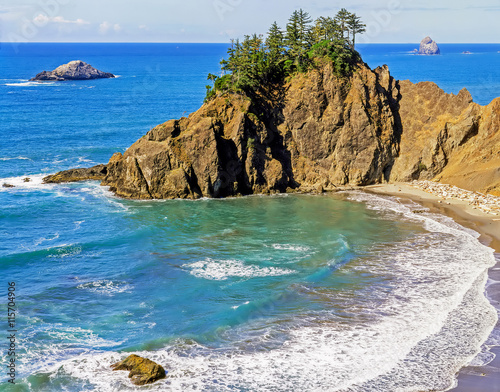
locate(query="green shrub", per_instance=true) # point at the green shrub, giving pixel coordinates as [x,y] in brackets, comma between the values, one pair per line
[421,167]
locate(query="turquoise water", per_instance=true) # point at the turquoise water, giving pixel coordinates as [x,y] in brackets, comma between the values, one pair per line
[337,292]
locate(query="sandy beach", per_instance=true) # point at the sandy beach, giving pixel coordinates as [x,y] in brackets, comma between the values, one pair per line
[487,223]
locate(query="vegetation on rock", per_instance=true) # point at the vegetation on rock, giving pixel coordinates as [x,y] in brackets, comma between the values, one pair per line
[258,62]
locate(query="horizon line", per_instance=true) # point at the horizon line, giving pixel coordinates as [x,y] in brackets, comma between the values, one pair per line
[220,43]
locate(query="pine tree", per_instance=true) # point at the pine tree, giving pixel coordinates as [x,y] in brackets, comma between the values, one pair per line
[299,37]
[275,52]
[275,44]
[292,38]
[326,29]
[304,26]
[356,27]
[342,19]
[255,62]
[319,30]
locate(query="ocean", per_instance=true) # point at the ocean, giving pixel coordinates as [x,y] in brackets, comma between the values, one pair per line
[337,292]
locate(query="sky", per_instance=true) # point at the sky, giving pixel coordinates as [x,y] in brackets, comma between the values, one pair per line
[388,21]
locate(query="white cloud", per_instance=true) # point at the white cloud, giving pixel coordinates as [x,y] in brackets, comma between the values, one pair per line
[42,20]
[105,27]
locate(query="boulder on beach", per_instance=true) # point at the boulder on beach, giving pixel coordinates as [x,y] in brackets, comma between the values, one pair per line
[74,70]
[429,47]
[142,370]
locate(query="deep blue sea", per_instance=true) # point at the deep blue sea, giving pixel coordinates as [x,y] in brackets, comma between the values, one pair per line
[343,292]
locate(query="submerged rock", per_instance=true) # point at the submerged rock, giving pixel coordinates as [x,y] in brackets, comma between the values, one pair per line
[73,175]
[74,70]
[142,370]
[429,47]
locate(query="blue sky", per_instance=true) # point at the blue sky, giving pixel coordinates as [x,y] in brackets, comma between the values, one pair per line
[398,21]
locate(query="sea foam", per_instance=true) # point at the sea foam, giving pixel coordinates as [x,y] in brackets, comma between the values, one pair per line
[223,269]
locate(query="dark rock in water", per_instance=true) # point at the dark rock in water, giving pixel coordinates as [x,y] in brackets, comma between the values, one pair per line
[5,185]
[142,370]
[74,70]
[27,179]
[73,175]
[429,47]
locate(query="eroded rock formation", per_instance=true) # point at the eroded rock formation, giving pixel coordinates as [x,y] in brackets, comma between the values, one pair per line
[429,47]
[73,175]
[318,131]
[74,70]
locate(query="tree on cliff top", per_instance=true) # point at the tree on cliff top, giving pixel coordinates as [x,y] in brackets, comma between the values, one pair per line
[256,62]
[355,27]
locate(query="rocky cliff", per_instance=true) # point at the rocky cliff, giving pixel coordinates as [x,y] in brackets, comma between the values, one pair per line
[317,132]
[74,70]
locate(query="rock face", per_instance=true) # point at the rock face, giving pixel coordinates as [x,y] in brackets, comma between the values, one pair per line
[448,138]
[74,70]
[94,173]
[317,132]
[429,47]
[142,370]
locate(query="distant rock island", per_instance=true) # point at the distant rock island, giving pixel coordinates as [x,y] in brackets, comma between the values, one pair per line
[74,70]
[429,47]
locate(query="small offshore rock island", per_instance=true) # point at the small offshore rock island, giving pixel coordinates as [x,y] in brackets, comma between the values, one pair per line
[74,70]
[429,47]
[301,111]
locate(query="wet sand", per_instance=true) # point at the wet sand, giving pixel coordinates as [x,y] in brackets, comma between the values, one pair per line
[470,378]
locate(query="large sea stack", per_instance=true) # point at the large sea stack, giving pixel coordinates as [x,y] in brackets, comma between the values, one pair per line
[318,131]
[74,70]
[429,47]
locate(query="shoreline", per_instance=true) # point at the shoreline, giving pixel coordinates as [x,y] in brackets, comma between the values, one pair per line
[470,378]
